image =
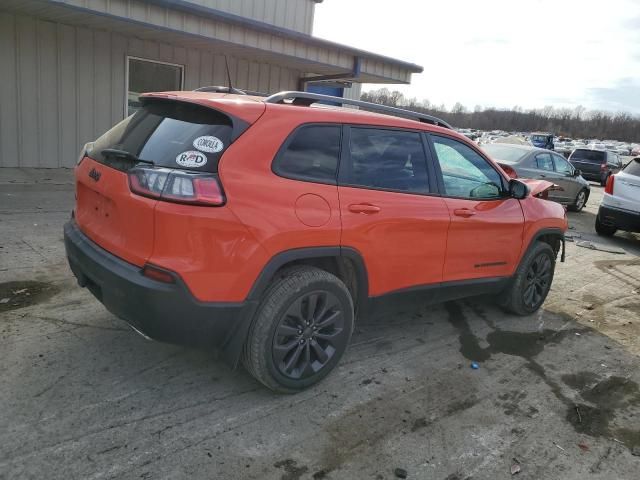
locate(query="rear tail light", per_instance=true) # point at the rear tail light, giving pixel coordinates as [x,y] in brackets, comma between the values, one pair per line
[177,186]
[609,186]
[509,170]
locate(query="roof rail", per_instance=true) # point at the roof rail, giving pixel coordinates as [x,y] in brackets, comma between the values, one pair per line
[308,98]
[235,91]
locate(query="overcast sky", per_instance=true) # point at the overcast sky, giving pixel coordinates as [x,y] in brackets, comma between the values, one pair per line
[501,53]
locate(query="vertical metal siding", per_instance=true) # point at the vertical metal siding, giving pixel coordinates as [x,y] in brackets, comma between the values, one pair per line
[9,121]
[293,14]
[63,86]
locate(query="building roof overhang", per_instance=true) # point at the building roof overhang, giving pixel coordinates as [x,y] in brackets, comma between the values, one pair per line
[207,28]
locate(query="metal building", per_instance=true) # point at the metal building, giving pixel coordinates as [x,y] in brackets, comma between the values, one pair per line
[70,69]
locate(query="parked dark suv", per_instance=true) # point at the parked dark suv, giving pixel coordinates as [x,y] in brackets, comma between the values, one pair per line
[264,226]
[595,165]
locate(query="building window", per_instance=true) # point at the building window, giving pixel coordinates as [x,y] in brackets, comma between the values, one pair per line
[150,76]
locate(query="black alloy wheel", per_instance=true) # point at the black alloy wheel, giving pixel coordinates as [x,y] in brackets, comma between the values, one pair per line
[301,329]
[308,335]
[537,281]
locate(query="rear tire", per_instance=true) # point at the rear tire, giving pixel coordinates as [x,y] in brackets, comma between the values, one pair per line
[580,202]
[604,230]
[603,182]
[532,281]
[302,327]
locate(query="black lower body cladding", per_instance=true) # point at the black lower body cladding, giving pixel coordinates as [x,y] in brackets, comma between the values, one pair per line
[161,311]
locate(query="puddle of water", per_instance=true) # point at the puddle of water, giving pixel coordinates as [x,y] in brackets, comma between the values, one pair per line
[607,398]
[14,295]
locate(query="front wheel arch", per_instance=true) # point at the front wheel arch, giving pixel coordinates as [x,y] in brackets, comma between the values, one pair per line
[552,236]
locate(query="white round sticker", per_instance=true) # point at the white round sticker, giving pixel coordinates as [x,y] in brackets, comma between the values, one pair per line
[191,159]
[209,144]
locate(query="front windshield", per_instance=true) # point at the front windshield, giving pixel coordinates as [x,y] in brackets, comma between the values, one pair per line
[539,138]
[504,153]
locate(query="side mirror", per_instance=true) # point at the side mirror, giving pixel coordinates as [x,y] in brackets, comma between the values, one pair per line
[577,172]
[517,189]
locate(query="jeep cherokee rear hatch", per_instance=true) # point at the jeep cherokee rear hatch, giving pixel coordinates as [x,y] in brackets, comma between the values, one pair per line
[167,151]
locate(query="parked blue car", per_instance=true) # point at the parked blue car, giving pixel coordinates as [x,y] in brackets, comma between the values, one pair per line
[542,140]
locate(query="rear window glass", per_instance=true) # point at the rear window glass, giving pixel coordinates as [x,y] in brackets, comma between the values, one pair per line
[169,134]
[311,153]
[590,156]
[633,167]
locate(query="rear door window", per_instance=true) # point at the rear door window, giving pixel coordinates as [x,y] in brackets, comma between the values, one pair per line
[543,162]
[381,159]
[311,153]
[169,134]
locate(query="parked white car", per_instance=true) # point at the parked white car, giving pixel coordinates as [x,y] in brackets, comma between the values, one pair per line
[620,206]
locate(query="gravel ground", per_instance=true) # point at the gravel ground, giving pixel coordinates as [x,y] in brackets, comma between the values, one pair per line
[82,396]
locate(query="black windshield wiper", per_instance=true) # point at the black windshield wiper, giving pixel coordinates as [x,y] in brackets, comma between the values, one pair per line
[123,155]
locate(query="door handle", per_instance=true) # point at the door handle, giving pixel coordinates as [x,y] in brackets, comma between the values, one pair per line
[543,176]
[464,212]
[364,208]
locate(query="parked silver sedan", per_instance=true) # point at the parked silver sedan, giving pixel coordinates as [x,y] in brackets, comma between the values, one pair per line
[542,164]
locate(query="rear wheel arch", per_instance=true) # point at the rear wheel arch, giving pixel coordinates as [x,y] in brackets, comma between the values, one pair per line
[344,262]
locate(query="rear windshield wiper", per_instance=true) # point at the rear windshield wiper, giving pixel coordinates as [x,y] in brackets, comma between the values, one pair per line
[123,154]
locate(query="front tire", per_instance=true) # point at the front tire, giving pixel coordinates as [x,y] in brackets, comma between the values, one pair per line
[580,202]
[532,281]
[301,329]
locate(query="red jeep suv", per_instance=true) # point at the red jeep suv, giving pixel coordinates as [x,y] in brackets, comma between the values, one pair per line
[263,226]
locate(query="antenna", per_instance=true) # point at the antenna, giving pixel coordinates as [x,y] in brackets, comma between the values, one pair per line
[226,62]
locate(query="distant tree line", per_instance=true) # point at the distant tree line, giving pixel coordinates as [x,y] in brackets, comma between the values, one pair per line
[575,123]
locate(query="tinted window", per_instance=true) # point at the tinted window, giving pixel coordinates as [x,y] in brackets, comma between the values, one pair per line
[464,172]
[562,166]
[311,154]
[589,156]
[169,134]
[387,159]
[543,162]
[633,167]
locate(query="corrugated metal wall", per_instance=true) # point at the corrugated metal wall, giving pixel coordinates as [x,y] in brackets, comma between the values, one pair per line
[293,14]
[61,86]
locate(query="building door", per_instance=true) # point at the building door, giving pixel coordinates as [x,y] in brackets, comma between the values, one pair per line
[326,90]
[150,76]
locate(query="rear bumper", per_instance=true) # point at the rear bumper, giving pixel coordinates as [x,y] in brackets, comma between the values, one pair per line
[594,177]
[164,312]
[620,219]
